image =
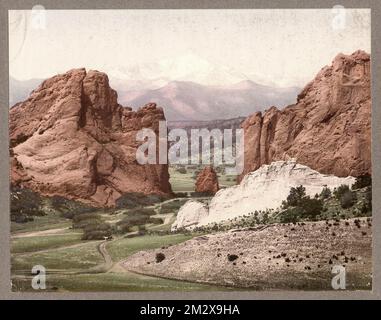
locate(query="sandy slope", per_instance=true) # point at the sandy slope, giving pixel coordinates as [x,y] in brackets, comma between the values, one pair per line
[283,256]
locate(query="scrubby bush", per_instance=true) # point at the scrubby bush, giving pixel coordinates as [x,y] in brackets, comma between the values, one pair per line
[348,199]
[325,193]
[339,191]
[133,200]
[181,170]
[156,220]
[201,194]
[299,206]
[362,182]
[295,195]
[85,219]
[21,218]
[310,207]
[181,195]
[232,257]
[172,206]
[97,231]
[25,202]
[136,220]
[160,257]
[69,208]
[291,215]
[368,198]
[141,212]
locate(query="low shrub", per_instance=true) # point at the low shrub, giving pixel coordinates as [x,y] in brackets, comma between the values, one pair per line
[339,191]
[325,193]
[291,215]
[160,257]
[69,208]
[138,212]
[181,170]
[133,200]
[232,257]
[348,199]
[172,206]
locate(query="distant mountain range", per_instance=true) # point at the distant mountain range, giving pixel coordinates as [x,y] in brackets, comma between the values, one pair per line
[187,87]
[185,100]
[19,90]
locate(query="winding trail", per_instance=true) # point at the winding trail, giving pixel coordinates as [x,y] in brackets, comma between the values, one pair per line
[106,256]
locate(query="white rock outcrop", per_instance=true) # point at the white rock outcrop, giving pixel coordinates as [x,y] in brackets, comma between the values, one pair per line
[189,215]
[262,189]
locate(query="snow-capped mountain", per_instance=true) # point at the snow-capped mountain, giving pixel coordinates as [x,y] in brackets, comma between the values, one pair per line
[188,87]
[188,67]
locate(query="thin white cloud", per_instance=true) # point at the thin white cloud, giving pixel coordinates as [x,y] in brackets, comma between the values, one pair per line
[282,47]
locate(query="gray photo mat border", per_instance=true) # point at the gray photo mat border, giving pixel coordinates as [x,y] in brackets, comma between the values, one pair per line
[5,285]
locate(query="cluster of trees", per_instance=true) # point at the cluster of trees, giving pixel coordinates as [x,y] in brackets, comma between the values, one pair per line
[138,217]
[68,208]
[24,205]
[299,206]
[94,228]
[172,206]
[137,200]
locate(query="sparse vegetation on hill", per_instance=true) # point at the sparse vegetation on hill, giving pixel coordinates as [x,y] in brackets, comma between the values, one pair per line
[341,203]
[25,204]
[362,182]
[68,208]
[137,217]
[93,226]
[298,206]
[172,206]
[134,200]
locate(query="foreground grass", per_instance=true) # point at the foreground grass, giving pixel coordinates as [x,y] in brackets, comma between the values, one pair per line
[181,182]
[37,243]
[50,221]
[82,256]
[122,248]
[111,282]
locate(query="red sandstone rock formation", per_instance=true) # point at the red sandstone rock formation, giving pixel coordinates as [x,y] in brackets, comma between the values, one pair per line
[207,181]
[328,129]
[71,138]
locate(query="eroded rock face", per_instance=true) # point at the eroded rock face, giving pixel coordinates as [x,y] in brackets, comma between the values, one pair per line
[263,189]
[189,215]
[207,181]
[328,129]
[72,138]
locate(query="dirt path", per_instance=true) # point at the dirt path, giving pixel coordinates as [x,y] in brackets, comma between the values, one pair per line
[106,256]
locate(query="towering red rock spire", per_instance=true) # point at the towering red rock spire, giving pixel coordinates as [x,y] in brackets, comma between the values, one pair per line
[71,138]
[328,129]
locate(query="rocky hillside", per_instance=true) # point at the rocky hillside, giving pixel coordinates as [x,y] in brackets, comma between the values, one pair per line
[328,129]
[279,256]
[71,138]
[262,189]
